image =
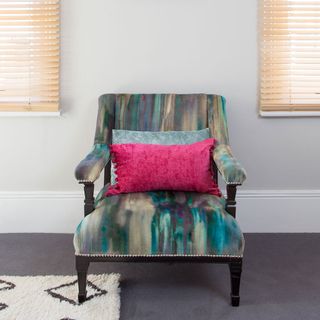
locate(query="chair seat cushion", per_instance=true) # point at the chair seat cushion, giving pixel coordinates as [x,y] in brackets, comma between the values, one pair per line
[159,223]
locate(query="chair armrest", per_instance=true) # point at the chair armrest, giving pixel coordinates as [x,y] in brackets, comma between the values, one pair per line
[89,169]
[228,166]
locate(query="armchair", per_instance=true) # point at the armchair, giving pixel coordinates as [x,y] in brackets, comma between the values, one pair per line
[145,227]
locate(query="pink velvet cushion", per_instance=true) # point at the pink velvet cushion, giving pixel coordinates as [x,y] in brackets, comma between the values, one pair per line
[147,167]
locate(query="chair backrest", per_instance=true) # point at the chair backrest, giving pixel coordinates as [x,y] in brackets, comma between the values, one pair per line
[161,112]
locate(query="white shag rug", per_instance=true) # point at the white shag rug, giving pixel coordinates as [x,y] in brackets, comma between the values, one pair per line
[56,298]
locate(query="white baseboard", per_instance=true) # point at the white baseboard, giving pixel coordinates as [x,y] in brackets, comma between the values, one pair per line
[258,211]
[40,211]
[279,210]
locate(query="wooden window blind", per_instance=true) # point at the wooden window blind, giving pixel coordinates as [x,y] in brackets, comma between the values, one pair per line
[29,55]
[290,55]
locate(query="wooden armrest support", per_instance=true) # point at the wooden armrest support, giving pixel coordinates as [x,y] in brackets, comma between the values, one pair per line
[88,198]
[231,199]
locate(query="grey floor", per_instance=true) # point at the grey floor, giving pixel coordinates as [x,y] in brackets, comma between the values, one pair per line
[281,278]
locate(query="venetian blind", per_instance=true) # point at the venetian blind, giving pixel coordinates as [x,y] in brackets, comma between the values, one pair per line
[290,55]
[29,55]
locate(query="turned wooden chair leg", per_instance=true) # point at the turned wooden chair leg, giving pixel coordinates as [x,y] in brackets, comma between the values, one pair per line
[235,275]
[82,265]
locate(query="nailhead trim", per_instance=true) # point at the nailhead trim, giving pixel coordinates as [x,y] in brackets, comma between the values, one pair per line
[236,183]
[157,255]
[81,181]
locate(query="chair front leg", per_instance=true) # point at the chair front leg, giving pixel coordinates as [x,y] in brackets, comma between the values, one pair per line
[82,265]
[235,276]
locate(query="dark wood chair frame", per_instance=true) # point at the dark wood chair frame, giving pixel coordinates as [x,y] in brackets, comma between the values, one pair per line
[235,263]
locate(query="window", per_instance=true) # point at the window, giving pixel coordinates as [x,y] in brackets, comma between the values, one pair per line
[290,57]
[29,55]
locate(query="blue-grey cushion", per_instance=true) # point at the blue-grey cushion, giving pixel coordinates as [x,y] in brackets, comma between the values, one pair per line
[156,137]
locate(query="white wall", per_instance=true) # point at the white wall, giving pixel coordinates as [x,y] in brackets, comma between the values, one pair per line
[149,46]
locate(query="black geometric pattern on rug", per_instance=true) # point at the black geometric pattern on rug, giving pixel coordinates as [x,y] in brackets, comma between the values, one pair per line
[3,306]
[8,285]
[100,292]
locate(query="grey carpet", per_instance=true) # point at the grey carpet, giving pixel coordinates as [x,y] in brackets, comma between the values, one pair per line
[281,278]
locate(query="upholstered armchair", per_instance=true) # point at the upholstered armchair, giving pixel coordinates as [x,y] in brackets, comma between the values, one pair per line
[136,227]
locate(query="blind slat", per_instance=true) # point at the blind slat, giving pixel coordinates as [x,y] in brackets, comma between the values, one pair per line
[34,107]
[5,24]
[29,55]
[290,55]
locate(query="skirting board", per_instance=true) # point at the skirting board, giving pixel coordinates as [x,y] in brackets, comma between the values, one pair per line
[258,211]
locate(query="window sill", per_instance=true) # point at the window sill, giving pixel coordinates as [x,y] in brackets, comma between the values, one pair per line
[29,114]
[289,114]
